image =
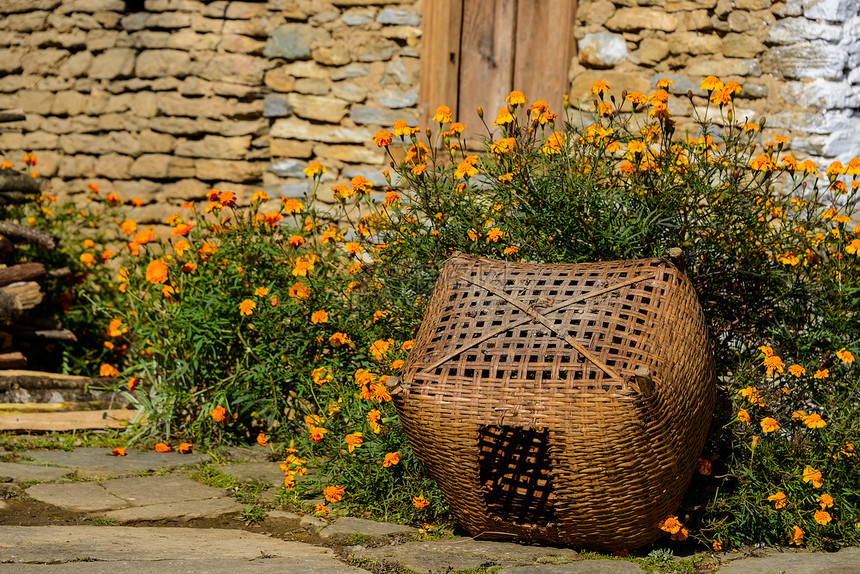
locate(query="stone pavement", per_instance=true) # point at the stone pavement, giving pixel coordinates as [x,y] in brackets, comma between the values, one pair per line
[142,513]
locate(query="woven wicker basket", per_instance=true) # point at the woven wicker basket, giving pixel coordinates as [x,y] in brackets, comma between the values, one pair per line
[560,403]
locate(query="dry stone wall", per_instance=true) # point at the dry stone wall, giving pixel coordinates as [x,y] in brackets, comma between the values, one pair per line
[165,99]
[797,61]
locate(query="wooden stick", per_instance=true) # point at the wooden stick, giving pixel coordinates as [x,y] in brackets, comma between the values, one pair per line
[29,234]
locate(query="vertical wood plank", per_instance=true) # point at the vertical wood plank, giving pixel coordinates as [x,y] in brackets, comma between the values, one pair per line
[440,56]
[544,48]
[486,60]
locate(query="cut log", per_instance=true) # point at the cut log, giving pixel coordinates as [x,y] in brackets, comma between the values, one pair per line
[44,334]
[28,293]
[10,308]
[67,421]
[21,272]
[14,360]
[17,181]
[14,198]
[18,232]
[16,115]
[34,380]
[6,246]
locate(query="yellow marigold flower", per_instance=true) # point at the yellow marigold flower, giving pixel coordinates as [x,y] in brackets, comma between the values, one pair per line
[553,144]
[516,97]
[762,163]
[116,328]
[732,87]
[319,317]
[769,424]
[156,271]
[321,376]
[512,250]
[821,374]
[360,184]
[304,265]
[822,517]
[456,128]
[128,226]
[812,475]
[637,98]
[419,502]
[314,169]
[509,177]
[352,247]
[247,307]
[845,356]
[798,414]
[382,138]
[495,234]
[721,97]
[599,88]
[403,130]
[853,248]
[814,421]
[261,291]
[717,545]
[395,365]
[503,146]
[353,441]
[825,501]
[443,115]
[710,84]
[751,127]
[333,493]
[779,500]
[467,168]
[795,535]
[773,363]
[88,259]
[809,167]
[380,347]
[744,416]
[419,169]
[664,83]
[503,116]
[391,459]
[218,414]
[407,345]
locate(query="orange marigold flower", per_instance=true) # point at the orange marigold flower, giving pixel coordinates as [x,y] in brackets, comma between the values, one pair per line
[821,374]
[304,265]
[812,475]
[218,414]
[814,421]
[599,88]
[132,384]
[391,459]
[516,97]
[247,307]
[291,206]
[299,291]
[664,82]
[156,272]
[353,441]
[261,291]
[797,370]
[795,535]
[456,128]
[670,524]
[779,500]
[402,129]
[845,356]
[333,493]
[407,345]
[321,510]
[825,501]
[443,115]
[181,230]
[87,259]
[321,376]
[260,196]
[467,168]
[185,448]
[116,328]
[419,502]
[339,339]
[113,199]
[774,363]
[163,447]
[262,439]
[352,247]
[637,98]
[822,517]
[30,159]
[769,424]
[108,370]
[503,146]
[382,138]
[762,163]
[319,317]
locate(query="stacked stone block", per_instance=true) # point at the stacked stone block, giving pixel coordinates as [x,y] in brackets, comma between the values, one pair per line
[796,61]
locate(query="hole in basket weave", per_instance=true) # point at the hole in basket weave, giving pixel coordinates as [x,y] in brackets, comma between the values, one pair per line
[515,474]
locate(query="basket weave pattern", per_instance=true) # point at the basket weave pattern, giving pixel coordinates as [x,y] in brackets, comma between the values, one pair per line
[519,396]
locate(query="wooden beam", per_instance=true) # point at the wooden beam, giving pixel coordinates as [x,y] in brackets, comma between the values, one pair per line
[18,232]
[440,57]
[67,421]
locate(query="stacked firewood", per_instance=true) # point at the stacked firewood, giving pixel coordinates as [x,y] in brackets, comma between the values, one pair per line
[20,291]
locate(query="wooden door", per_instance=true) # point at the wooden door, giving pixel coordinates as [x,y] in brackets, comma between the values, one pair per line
[474,52]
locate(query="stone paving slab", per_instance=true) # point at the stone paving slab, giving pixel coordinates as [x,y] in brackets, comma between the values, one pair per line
[348,526]
[76,496]
[98,462]
[846,561]
[582,567]
[136,550]
[148,490]
[179,511]
[31,472]
[434,556]
[257,471]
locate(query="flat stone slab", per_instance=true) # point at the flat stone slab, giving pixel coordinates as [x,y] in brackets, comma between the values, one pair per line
[434,556]
[348,526]
[98,462]
[268,472]
[846,561]
[31,472]
[149,490]
[144,550]
[581,567]
[180,511]
[76,496]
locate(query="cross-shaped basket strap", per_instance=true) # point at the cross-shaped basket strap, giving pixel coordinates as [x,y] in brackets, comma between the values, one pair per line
[535,316]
